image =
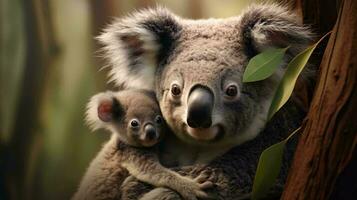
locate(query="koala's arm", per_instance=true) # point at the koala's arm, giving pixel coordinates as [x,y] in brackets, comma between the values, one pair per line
[144,165]
[104,176]
[232,174]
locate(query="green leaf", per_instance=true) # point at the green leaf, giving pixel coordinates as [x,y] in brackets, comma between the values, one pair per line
[268,168]
[263,65]
[271,158]
[287,84]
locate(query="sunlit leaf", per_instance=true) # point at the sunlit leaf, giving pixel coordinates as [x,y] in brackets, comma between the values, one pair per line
[268,168]
[263,65]
[286,86]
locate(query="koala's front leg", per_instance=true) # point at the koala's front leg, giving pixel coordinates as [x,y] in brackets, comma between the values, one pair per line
[132,188]
[146,167]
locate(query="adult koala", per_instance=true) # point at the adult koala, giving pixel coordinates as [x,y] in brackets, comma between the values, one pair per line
[196,68]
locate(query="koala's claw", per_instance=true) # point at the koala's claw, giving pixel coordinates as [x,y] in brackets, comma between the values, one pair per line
[195,188]
[191,191]
[201,178]
[206,185]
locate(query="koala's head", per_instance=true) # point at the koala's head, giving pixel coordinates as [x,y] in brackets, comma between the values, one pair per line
[131,114]
[196,67]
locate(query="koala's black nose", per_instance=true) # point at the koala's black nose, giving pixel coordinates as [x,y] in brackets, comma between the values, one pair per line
[200,105]
[150,132]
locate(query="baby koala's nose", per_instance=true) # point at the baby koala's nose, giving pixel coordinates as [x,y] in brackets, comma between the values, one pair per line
[150,132]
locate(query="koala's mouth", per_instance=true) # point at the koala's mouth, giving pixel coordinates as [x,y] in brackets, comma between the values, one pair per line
[148,143]
[206,134]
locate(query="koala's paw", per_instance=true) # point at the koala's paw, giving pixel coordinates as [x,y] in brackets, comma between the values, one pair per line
[191,189]
[161,194]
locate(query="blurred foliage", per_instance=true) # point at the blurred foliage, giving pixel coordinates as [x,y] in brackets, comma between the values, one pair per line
[12,58]
[49,70]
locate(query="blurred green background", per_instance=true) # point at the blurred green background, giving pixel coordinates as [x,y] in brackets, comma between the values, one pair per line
[49,70]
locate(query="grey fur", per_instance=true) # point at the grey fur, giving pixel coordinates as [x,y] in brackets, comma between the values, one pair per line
[212,53]
[128,153]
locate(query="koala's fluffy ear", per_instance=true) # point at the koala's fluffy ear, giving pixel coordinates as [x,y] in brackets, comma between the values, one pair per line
[102,109]
[137,44]
[264,26]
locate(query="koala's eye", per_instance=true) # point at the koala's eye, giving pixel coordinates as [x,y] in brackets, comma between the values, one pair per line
[134,123]
[175,90]
[231,90]
[158,119]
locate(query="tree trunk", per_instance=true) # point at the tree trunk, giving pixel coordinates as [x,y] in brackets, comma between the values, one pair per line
[326,152]
[23,148]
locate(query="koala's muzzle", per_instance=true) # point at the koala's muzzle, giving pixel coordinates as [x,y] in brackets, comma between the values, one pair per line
[199,107]
[149,136]
[150,132]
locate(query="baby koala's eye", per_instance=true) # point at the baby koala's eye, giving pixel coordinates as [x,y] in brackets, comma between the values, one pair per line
[134,123]
[175,90]
[158,119]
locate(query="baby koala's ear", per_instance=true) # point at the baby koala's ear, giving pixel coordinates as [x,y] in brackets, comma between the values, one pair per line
[103,108]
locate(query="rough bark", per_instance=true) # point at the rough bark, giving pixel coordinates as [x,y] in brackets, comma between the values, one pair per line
[328,143]
[321,16]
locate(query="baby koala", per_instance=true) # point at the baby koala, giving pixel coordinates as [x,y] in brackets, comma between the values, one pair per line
[134,118]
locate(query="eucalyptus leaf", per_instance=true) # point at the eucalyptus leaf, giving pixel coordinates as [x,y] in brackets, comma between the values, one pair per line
[264,64]
[287,84]
[269,167]
[271,158]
